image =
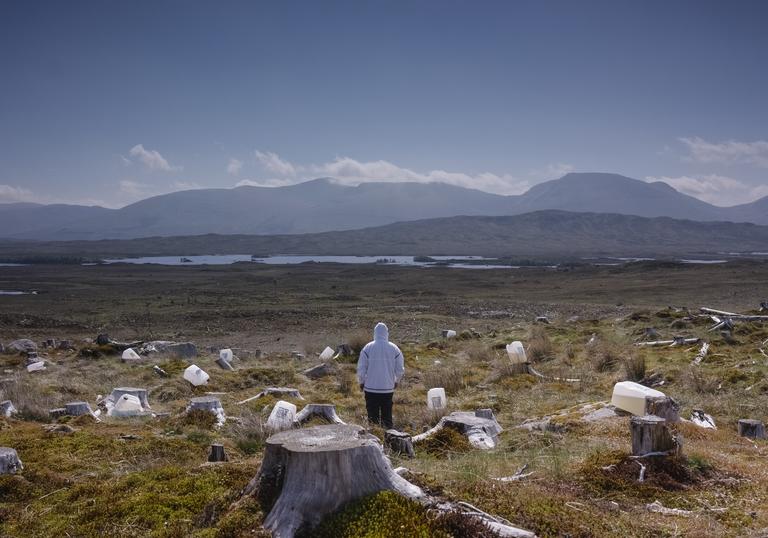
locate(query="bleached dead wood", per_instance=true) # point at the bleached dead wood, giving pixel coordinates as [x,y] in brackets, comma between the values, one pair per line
[734,316]
[280,392]
[399,443]
[325,411]
[481,432]
[519,475]
[658,508]
[679,341]
[702,353]
[536,373]
[9,461]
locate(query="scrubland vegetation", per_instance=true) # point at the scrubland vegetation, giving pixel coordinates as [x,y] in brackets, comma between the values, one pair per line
[149,476]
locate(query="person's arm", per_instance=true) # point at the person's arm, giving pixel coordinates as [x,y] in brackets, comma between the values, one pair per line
[399,367]
[362,368]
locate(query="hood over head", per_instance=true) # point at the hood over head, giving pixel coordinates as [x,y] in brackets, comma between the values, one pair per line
[381,333]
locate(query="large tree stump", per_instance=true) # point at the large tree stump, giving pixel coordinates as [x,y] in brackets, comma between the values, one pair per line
[664,407]
[141,394]
[751,428]
[399,443]
[325,411]
[9,461]
[217,453]
[307,474]
[482,433]
[650,435]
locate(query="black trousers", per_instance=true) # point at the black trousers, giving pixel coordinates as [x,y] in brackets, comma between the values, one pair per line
[379,407]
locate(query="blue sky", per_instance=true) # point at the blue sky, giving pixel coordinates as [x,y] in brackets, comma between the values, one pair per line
[108,102]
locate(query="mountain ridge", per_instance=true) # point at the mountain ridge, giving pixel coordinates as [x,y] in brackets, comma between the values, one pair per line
[325,205]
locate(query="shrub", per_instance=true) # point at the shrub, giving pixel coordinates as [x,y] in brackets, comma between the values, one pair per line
[634,367]
[539,347]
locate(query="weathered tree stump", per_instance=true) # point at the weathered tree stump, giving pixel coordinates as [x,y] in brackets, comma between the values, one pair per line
[753,429]
[77,409]
[141,394]
[159,371]
[326,411]
[9,461]
[399,443]
[206,403]
[321,370]
[224,364]
[7,409]
[664,407]
[217,453]
[482,433]
[485,413]
[57,412]
[650,436]
[309,473]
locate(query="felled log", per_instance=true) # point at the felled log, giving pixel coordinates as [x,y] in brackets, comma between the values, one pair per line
[677,341]
[664,407]
[224,364]
[217,453]
[307,474]
[325,411]
[399,443]
[280,392]
[9,461]
[482,433]
[531,370]
[753,429]
[651,436]
[734,316]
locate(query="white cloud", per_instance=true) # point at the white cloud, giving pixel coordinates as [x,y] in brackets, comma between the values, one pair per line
[349,171]
[132,188]
[234,167]
[272,162]
[152,159]
[729,152]
[8,193]
[717,190]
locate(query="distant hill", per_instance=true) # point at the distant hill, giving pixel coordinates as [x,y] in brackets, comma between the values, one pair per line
[541,234]
[323,205]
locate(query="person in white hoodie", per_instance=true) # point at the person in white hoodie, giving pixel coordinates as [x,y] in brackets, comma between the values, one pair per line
[379,370]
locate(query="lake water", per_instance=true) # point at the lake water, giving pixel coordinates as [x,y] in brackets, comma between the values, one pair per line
[226,259]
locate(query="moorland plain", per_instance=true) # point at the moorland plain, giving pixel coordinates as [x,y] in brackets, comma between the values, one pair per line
[138,477]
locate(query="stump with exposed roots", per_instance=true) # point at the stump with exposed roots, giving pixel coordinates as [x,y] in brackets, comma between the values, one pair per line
[651,436]
[309,473]
[481,428]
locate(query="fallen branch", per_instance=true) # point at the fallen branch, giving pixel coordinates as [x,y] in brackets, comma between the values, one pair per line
[702,353]
[669,343]
[535,373]
[657,507]
[519,475]
[279,391]
[641,478]
[734,316]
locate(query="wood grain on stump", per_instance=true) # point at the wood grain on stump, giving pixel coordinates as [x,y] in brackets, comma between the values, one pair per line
[650,435]
[217,453]
[399,443]
[77,409]
[664,407]
[309,473]
[751,428]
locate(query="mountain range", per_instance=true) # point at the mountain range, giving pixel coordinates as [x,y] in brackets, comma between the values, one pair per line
[550,235]
[323,205]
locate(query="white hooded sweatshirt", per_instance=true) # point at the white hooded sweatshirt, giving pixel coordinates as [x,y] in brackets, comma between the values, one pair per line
[380,365]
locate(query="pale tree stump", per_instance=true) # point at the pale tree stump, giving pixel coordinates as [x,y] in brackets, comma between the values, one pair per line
[753,429]
[77,409]
[141,394]
[324,411]
[9,461]
[399,443]
[664,407]
[321,370]
[482,433]
[217,453]
[650,436]
[205,403]
[224,364]
[307,474]
[7,409]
